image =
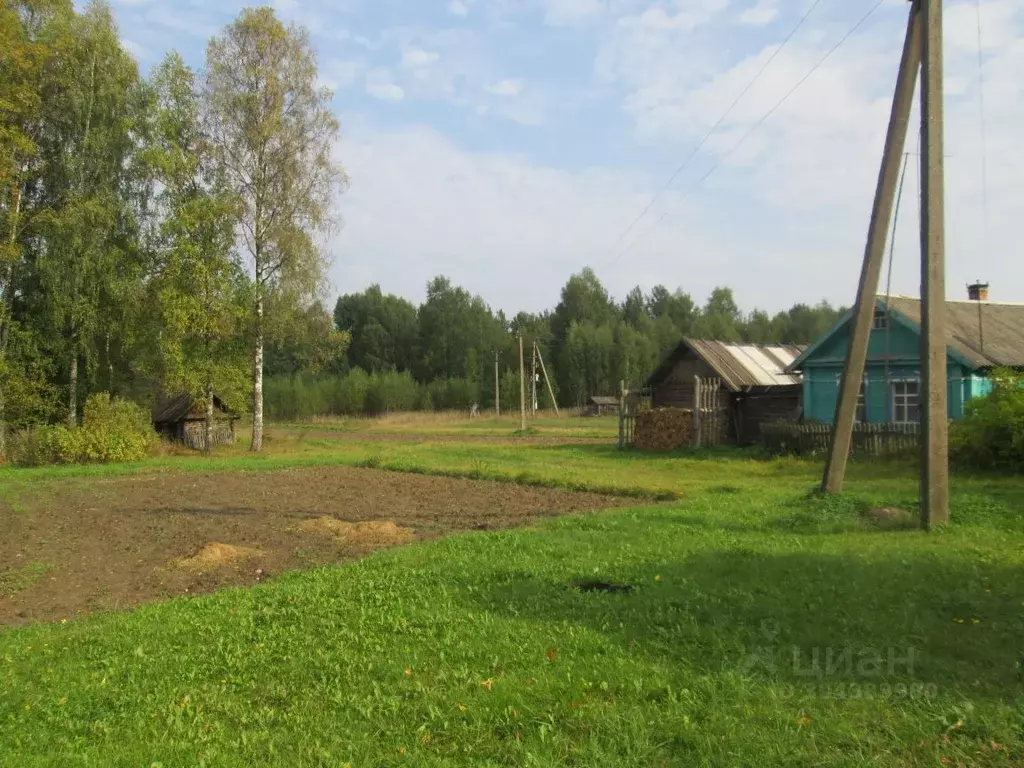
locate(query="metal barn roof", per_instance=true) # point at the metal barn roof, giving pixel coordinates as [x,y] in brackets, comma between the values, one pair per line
[739,365]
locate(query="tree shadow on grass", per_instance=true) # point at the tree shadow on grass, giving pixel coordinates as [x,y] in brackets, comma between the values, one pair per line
[783,616]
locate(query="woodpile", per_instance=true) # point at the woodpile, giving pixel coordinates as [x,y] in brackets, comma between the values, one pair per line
[663,429]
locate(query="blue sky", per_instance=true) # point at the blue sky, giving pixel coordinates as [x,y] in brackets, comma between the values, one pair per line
[509,143]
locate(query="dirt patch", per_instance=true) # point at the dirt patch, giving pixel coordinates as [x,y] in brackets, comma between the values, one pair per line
[111,544]
[216,555]
[373,533]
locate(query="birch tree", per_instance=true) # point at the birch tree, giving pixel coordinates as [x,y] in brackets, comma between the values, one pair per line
[273,132]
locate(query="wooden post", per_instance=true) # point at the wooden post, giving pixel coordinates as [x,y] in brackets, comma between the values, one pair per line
[522,389]
[695,437]
[874,253]
[533,379]
[935,460]
[544,371]
[622,414]
[497,389]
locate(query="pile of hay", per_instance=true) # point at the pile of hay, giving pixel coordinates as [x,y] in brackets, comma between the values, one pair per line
[373,533]
[663,429]
[216,555]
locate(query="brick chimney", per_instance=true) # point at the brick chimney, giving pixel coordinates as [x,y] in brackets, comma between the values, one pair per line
[978,292]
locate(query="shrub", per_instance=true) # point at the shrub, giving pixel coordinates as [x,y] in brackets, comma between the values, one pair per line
[111,430]
[991,435]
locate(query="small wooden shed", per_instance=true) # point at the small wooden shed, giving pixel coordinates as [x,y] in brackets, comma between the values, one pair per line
[755,385]
[182,419]
[598,405]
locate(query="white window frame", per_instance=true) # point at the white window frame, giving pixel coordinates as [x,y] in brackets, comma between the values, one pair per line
[881,320]
[905,404]
[862,398]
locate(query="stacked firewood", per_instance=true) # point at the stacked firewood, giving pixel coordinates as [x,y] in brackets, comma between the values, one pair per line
[663,429]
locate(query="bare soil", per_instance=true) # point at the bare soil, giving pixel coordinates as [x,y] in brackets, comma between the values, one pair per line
[113,543]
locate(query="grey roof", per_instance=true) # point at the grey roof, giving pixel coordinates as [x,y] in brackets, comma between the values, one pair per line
[994,339]
[604,400]
[180,407]
[739,365]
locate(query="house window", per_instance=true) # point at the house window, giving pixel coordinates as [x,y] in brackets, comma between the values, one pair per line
[906,402]
[862,406]
[881,321]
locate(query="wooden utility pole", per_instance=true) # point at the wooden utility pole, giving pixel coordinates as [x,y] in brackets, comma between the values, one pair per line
[551,391]
[935,462]
[522,389]
[533,379]
[874,254]
[497,389]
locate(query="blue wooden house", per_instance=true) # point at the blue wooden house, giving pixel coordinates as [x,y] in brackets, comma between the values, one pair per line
[981,336]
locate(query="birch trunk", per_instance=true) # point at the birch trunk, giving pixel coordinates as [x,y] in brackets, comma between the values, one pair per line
[257,375]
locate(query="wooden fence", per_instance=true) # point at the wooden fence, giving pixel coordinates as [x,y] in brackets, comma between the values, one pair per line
[710,415]
[631,402]
[709,419]
[813,439]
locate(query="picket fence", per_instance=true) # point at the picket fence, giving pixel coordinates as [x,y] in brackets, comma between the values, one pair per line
[813,439]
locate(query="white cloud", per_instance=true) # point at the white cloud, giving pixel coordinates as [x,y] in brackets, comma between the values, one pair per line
[498,224]
[507,87]
[381,85]
[339,74]
[763,12]
[414,58]
[572,11]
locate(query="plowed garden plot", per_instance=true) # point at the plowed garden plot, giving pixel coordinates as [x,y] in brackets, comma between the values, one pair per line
[108,544]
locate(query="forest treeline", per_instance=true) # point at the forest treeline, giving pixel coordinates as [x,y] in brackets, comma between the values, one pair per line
[162,234]
[441,354]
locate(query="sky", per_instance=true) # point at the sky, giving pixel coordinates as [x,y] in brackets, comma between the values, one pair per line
[509,143]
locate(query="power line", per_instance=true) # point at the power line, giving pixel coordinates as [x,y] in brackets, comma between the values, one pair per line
[763,119]
[718,124]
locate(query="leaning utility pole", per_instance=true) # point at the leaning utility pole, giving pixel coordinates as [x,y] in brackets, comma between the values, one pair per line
[935,464]
[522,388]
[547,380]
[497,389]
[923,43]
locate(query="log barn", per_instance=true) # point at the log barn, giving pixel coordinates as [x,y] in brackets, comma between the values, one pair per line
[755,387]
[182,419]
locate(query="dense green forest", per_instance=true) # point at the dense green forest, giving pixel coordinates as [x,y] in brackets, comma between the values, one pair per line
[158,235]
[441,354]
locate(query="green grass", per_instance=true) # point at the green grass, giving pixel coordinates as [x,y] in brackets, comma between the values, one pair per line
[475,650]
[544,425]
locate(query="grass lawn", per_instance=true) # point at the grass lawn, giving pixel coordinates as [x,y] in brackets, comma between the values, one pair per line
[764,627]
[546,424]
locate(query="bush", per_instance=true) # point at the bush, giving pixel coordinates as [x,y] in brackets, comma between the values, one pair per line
[991,436]
[111,430]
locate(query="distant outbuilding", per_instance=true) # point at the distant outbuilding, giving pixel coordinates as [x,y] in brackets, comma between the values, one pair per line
[598,405]
[182,419]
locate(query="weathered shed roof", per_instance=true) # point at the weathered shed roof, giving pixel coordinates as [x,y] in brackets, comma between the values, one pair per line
[993,339]
[604,400]
[181,407]
[740,366]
